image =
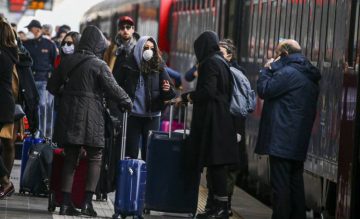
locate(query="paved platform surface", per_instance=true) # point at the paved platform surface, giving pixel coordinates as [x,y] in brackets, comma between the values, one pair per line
[28,207]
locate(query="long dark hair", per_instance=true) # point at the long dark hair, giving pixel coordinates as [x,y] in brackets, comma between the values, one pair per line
[155,63]
[7,36]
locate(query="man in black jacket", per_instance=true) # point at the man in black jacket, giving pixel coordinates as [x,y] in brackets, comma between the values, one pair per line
[289,86]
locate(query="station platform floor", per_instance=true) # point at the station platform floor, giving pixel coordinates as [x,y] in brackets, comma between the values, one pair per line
[29,207]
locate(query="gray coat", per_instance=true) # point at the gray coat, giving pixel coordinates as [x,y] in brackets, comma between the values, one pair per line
[80,119]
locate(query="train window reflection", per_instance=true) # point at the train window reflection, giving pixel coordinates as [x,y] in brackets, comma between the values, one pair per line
[330,31]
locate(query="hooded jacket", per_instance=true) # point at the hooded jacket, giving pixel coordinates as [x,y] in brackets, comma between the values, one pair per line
[8,57]
[130,74]
[290,91]
[212,136]
[80,119]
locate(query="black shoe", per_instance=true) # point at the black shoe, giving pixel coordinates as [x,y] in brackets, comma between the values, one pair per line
[69,210]
[88,210]
[221,211]
[205,213]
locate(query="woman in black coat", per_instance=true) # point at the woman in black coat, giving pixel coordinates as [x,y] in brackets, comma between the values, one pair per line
[80,119]
[213,136]
[8,58]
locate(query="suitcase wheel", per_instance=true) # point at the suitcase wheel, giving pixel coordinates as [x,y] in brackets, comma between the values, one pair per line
[51,204]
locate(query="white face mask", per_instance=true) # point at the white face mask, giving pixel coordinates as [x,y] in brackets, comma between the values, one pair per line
[148,54]
[30,35]
[68,49]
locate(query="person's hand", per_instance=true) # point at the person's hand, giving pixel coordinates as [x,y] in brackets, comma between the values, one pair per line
[185,98]
[196,74]
[165,85]
[125,107]
[267,65]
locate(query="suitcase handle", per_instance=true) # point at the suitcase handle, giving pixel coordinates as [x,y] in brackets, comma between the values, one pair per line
[123,137]
[172,117]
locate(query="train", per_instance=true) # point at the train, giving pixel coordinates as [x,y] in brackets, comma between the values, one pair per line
[329,32]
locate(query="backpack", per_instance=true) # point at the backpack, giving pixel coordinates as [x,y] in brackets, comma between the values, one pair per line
[243,98]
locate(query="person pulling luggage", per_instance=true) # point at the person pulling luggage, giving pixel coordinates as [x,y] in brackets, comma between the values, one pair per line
[80,120]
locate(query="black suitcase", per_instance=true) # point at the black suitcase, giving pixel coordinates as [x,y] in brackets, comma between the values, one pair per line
[110,158]
[172,185]
[35,179]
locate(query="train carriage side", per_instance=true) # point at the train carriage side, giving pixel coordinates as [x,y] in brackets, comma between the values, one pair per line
[322,27]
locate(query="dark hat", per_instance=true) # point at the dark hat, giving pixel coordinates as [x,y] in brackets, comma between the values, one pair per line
[125,19]
[34,23]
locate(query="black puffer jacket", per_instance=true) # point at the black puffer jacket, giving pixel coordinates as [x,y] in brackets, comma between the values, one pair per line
[8,57]
[80,119]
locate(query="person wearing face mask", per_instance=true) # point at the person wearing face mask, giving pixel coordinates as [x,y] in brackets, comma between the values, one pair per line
[43,52]
[67,46]
[148,84]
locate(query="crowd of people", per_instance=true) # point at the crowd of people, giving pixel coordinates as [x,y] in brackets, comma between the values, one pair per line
[67,82]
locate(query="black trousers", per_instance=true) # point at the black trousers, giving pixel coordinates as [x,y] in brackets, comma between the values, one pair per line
[287,183]
[216,179]
[72,152]
[3,170]
[138,129]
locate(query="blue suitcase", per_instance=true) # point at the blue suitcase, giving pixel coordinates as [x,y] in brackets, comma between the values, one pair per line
[28,142]
[130,185]
[172,182]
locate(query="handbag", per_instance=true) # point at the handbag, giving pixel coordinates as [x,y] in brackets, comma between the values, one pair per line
[19,112]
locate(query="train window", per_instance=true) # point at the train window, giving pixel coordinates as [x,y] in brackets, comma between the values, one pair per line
[310,28]
[282,19]
[249,7]
[357,47]
[293,16]
[324,26]
[245,32]
[354,47]
[316,32]
[264,26]
[299,13]
[278,19]
[330,31]
[288,19]
[255,32]
[272,30]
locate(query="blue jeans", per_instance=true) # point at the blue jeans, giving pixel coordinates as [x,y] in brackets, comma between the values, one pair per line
[46,109]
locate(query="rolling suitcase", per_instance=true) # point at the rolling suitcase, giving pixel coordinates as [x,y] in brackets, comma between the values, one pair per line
[35,179]
[28,142]
[110,158]
[78,188]
[172,182]
[131,180]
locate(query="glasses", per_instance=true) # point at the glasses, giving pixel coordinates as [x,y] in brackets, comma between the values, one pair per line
[68,43]
[127,27]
